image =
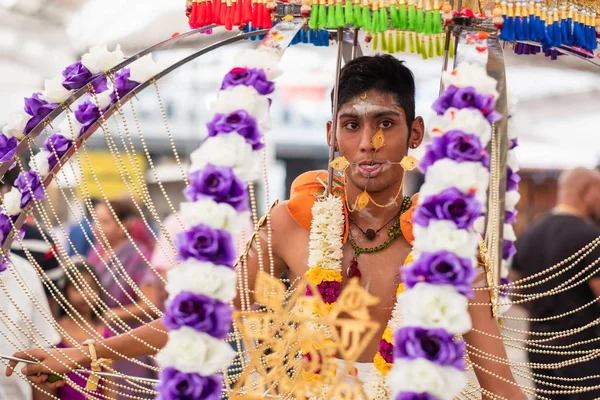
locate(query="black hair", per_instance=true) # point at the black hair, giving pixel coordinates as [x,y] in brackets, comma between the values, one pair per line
[82,270]
[383,73]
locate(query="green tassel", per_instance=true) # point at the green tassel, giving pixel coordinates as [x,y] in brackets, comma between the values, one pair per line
[348,13]
[419,21]
[402,17]
[366,18]
[383,16]
[437,22]
[384,44]
[322,20]
[375,41]
[428,22]
[356,17]
[339,15]
[411,42]
[394,15]
[430,48]
[423,49]
[438,46]
[330,17]
[376,21]
[412,17]
[391,47]
[417,44]
[402,44]
[451,51]
[314,16]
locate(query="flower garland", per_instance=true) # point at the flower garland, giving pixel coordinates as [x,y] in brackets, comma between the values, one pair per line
[427,361]
[198,314]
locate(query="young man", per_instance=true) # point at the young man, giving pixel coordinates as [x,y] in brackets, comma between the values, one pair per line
[375,93]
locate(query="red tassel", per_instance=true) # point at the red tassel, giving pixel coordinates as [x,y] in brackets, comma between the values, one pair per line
[201,13]
[228,17]
[255,13]
[209,13]
[217,11]
[194,16]
[267,21]
[237,12]
[247,11]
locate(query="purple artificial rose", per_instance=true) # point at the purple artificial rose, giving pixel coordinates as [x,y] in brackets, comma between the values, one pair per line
[219,184]
[451,205]
[206,244]
[77,76]
[505,291]
[444,102]
[436,345]
[512,179]
[441,268]
[237,121]
[508,249]
[87,113]
[386,351]
[248,77]
[467,97]
[38,109]
[510,216]
[123,85]
[8,147]
[57,145]
[513,143]
[200,312]
[177,385]
[30,185]
[5,227]
[415,396]
[329,291]
[455,145]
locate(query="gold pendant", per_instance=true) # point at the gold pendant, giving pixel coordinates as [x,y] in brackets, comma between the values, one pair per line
[408,163]
[339,164]
[378,140]
[363,200]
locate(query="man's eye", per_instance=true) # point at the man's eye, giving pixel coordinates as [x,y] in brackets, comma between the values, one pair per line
[351,125]
[386,124]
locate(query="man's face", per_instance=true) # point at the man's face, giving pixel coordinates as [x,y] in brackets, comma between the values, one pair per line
[358,120]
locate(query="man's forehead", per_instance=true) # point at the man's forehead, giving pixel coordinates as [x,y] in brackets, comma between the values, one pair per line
[372,98]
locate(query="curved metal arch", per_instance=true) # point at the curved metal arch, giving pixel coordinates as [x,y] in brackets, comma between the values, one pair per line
[85,89]
[111,110]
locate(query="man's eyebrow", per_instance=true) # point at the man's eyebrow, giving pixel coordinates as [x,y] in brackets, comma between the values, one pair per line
[379,114]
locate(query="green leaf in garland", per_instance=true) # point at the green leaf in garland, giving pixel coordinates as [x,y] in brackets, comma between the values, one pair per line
[383,16]
[348,13]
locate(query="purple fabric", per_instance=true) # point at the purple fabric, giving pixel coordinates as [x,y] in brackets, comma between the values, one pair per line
[386,350]
[466,97]
[510,217]
[436,345]
[200,312]
[176,385]
[512,179]
[450,205]
[87,113]
[455,145]
[38,109]
[123,85]
[441,268]
[415,396]
[56,143]
[219,184]
[8,147]
[248,77]
[237,121]
[30,185]
[206,244]
[508,249]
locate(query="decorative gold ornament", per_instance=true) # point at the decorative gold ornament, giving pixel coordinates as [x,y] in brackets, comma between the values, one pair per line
[277,336]
[378,140]
[363,96]
[363,200]
[408,163]
[339,164]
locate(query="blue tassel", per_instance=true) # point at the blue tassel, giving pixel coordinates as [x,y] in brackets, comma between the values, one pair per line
[519,29]
[577,35]
[526,29]
[508,29]
[531,25]
[564,34]
[569,29]
[547,39]
[557,38]
[593,38]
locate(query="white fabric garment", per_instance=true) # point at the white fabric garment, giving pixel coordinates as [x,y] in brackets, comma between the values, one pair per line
[14,388]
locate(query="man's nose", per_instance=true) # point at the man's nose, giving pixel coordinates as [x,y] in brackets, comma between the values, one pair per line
[366,141]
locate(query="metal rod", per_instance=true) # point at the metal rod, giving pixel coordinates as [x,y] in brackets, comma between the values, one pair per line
[85,371]
[355,43]
[336,90]
[446,56]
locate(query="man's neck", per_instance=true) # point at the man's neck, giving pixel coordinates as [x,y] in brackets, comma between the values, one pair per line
[564,208]
[373,215]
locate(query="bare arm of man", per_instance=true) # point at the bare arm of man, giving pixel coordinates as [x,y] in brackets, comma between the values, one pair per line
[487,341]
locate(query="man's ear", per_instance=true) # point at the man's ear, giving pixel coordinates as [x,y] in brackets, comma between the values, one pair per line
[417,132]
[330,136]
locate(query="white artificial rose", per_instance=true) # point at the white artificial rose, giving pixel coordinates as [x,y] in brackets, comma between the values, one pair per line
[15,125]
[39,163]
[504,269]
[259,59]
[466,176]
[70,127]
[215,281]
[245,98]
[511,199]
[229,150]
[444,235]
[143,69]
[504,304]
[468,120]
[100,59]
[512,161]
[509,233]
[12,202]
[479,225]
[216,215]
[473,75]
[435,306]
[103,98]
[54,91]
[195,352]
[421,375]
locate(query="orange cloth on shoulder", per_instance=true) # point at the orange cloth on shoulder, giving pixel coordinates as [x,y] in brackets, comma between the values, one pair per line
[308,185]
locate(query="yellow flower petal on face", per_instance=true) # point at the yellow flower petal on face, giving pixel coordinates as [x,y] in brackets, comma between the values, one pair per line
[339,164]
[317,275]
[378,140]
[408,163]
[381,365]
[363,200]
[388,336]
[401,288]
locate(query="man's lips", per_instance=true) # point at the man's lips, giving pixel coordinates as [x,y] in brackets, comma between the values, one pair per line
[370,170]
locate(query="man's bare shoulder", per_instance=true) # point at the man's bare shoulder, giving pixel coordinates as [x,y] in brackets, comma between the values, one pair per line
[282,221]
